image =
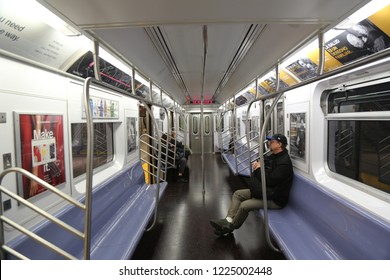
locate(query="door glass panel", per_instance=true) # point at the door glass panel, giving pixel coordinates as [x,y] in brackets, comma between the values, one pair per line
[207,125]
[195,125]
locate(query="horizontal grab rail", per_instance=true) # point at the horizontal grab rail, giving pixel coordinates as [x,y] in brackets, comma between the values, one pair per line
[43,184]
[37,238]
[41,212]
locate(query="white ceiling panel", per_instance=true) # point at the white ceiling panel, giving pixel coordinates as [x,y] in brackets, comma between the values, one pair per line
[179,28]
[134,44]
[275,41]
[89,13]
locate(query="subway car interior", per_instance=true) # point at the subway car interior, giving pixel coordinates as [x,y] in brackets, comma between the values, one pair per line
[127,126]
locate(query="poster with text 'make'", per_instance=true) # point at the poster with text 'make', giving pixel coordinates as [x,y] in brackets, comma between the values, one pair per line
[40,151]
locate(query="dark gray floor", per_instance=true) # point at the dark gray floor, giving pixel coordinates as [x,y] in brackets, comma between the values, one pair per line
[183,231]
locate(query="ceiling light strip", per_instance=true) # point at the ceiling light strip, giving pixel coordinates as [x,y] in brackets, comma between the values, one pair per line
[156,36]
[251,36]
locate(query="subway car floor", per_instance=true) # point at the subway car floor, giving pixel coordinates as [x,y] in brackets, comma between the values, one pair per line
[183,231]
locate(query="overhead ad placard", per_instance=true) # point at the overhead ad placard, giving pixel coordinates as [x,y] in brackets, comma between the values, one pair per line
[23,33]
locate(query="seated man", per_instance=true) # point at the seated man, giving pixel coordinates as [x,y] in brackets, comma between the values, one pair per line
[180,158]
[279,176]
[175,156]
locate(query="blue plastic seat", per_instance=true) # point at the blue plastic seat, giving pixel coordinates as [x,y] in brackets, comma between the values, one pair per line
[121,209]
[317,224]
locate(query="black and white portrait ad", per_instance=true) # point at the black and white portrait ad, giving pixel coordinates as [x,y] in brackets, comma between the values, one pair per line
[360,40]
[131,134]
[298,135]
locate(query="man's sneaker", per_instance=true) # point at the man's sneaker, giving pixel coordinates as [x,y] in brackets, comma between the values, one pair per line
[222,232]
[222,225]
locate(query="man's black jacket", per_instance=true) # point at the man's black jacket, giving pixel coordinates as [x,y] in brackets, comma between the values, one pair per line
[278,175]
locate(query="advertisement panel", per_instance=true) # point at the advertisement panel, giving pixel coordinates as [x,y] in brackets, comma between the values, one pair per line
[360,40]
[366,37]
[268,85]
[303,68]
[102,108]
[25,31]
[131,124]
[40,151]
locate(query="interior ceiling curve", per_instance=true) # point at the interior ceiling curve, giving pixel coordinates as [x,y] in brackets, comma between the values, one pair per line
[164,39]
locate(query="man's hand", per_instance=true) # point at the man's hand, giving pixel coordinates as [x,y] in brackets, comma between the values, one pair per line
[256,165]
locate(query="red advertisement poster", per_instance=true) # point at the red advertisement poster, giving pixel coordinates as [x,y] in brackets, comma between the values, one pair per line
[42,151]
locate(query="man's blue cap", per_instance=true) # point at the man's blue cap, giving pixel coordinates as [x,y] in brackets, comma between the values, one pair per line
[278,137]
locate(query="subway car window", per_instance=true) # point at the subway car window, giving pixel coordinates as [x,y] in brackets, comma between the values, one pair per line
[359,147]
[364,99]
[360,150]
[103,146]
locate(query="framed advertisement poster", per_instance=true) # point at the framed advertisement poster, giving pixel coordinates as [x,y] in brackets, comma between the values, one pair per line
[131,134]
[298,135]
[40,150]
[102,108]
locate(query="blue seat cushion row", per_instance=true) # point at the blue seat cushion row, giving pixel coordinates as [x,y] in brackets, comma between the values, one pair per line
[317,224]
[119,238]
[122,205]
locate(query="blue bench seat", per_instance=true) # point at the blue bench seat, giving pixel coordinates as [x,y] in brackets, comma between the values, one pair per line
[317,224]
[122,207]
[238,162]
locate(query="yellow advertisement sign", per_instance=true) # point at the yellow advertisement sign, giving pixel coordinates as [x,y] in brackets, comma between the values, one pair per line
[382,20]
[330,62]
[287,78]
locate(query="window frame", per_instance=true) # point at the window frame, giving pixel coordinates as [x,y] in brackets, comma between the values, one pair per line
[353,116]
[100,167]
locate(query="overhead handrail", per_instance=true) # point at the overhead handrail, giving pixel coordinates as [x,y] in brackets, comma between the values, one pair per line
[38,210]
